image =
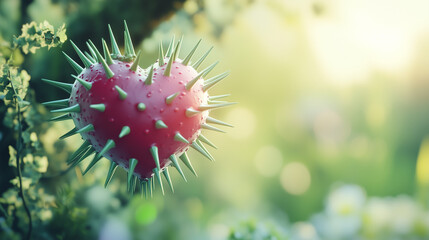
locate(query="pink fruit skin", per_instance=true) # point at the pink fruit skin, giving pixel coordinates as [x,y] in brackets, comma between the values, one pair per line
[120,113]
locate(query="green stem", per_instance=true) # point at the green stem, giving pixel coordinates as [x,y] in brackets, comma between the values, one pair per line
[18,158]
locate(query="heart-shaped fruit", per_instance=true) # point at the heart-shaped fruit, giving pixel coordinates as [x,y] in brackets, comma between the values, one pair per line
[140,119]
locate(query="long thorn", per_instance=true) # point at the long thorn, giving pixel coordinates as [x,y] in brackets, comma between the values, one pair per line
[199,61]
[205,149]
[158,177]
[61,118]
[107,70]
[57,103]
[65,86]
[75,66]
[121,92]
[188,58]
[214,106]
[110,173]
[197,147]
[205,140]
[115,49]
[75,109]
[216,121]
[129,49]
[131,165]
[219,97]
[69,133]
[161,55]
[107,55]
[209,127]
[214,80]
[190,112]
[170,48]
[185,159]
[167,177]
[177,166]
[85,145]
[82,56]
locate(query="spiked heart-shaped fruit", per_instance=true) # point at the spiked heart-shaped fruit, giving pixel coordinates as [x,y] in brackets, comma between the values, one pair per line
[140,119]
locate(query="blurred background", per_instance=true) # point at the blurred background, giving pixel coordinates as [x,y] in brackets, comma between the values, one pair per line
[329,137]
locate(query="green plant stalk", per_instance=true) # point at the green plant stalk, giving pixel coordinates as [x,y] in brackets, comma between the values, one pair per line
[18,157]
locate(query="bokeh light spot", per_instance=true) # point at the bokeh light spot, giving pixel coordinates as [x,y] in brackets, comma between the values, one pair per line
[295,178]
[268,160]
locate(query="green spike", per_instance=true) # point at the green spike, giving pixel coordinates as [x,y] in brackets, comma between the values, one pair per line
[106,52]
[141,107]
[143,184]
[208,69]
[149,186]
[158,177]
[209,127]
[205,140]
[170,48]
[204,72]
[154,151]
[90,151]
[219,97]
[167,177]
[87,128]
[177,50]
[197,147]
[75,66]
[107,70]
[136,62]
[84,83]
[100,107]
[64,86]
[78,158]
[92,51]
[75,108]
[214,106]
[190,112]
[115,49]
[129,49]
[177,166]
[82,56]
[69,133]
[216,102]
[131,165]
[204,149]
[149,79]
[57,103]
[85,145]
[121,92]
[169,99]
[124,132]
[96,52]
[133,185]
[61,118]
[161,55]
[185,159]
[110,173]
[178,137]
[188,58]
[191,83]
[219,122]
[90,58]
[109,145]
[167,71]
[212,81]
[199,61]
[160,124]
[153,183]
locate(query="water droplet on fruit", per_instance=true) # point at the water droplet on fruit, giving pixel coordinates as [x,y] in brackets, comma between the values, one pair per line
[183,93]
[180,82]
[128,65]
[103,99]
[161,110]
[180,72]
[147,131]
[111,119]
[176,109]
[149,95]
